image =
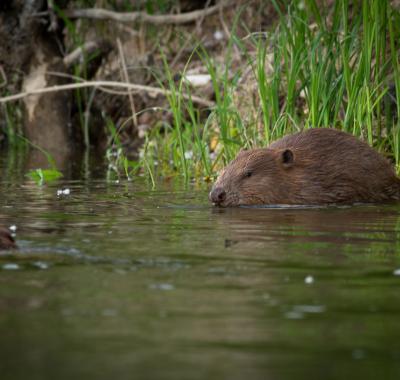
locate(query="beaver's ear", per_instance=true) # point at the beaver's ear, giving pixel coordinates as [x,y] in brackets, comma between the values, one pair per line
[287,158]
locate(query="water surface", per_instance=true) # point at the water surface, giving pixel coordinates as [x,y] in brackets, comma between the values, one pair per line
[115,280]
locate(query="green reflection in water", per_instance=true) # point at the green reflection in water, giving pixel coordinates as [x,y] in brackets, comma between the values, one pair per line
[115,280]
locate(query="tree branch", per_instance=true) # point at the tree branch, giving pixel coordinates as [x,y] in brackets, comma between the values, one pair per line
[105,14]
[129,86]
[87,48]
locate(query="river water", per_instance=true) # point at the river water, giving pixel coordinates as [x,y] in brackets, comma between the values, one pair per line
[116,280]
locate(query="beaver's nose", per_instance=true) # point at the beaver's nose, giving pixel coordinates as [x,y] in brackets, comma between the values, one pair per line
[217,195]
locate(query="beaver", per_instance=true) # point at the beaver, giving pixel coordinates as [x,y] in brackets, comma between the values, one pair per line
[6,240]
[313,167]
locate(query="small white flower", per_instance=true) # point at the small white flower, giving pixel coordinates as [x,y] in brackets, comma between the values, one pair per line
[198,80]
[189,154]
[218,35]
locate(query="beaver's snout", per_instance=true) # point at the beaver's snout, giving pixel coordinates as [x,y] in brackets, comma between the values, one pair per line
[217,195]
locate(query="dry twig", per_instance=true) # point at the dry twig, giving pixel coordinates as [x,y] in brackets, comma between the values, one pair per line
[99,84]
[126,79]
[87,48]
[105,14]
[4,77]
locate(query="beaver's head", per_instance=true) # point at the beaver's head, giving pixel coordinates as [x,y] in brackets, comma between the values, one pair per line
[254,177]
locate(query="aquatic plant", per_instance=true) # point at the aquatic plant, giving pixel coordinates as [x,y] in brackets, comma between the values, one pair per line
[331,69]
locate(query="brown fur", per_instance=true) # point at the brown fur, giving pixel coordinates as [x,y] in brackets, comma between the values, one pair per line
[6,240]
[317,166]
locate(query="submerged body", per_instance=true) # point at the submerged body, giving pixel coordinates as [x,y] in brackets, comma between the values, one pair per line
[317,166]
[6,240]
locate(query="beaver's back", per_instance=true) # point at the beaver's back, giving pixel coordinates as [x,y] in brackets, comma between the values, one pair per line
[333,166]
[328,144]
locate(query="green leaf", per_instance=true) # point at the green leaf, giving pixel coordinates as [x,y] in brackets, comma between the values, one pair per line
[40,176]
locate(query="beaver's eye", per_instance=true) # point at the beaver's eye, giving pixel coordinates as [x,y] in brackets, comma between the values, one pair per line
[248,173]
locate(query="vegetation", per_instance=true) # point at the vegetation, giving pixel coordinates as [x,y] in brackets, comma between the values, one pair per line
[335,66]
[328,70]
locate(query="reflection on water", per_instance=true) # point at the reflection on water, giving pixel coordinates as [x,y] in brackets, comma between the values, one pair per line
[113,279]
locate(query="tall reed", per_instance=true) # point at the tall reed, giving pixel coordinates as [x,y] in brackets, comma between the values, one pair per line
[330,68]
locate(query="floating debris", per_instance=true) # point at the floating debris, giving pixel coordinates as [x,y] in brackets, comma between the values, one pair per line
[396,272]
[41,265]
[11,266]
[162,286]
[309,280]
[63,192]
[294,315]
[310,309]
[299,311]
[13,228]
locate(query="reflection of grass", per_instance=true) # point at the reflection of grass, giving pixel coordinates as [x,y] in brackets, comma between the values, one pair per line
[327,70]
[40,176]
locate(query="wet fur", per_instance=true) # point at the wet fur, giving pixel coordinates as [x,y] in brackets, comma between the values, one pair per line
[328,166]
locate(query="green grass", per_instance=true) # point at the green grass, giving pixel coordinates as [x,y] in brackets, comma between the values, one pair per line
[330,69]
[317,67]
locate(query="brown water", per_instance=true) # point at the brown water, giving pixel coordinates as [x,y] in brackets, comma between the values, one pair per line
[116,281]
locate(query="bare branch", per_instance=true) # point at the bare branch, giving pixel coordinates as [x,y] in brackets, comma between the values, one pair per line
[105,14]
[126,78]
[4,77]
[87,48]
[99,84]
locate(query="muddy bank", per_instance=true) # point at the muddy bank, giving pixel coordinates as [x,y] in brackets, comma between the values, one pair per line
[52,46]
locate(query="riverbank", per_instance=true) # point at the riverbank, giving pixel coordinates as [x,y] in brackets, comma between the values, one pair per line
[195,84]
